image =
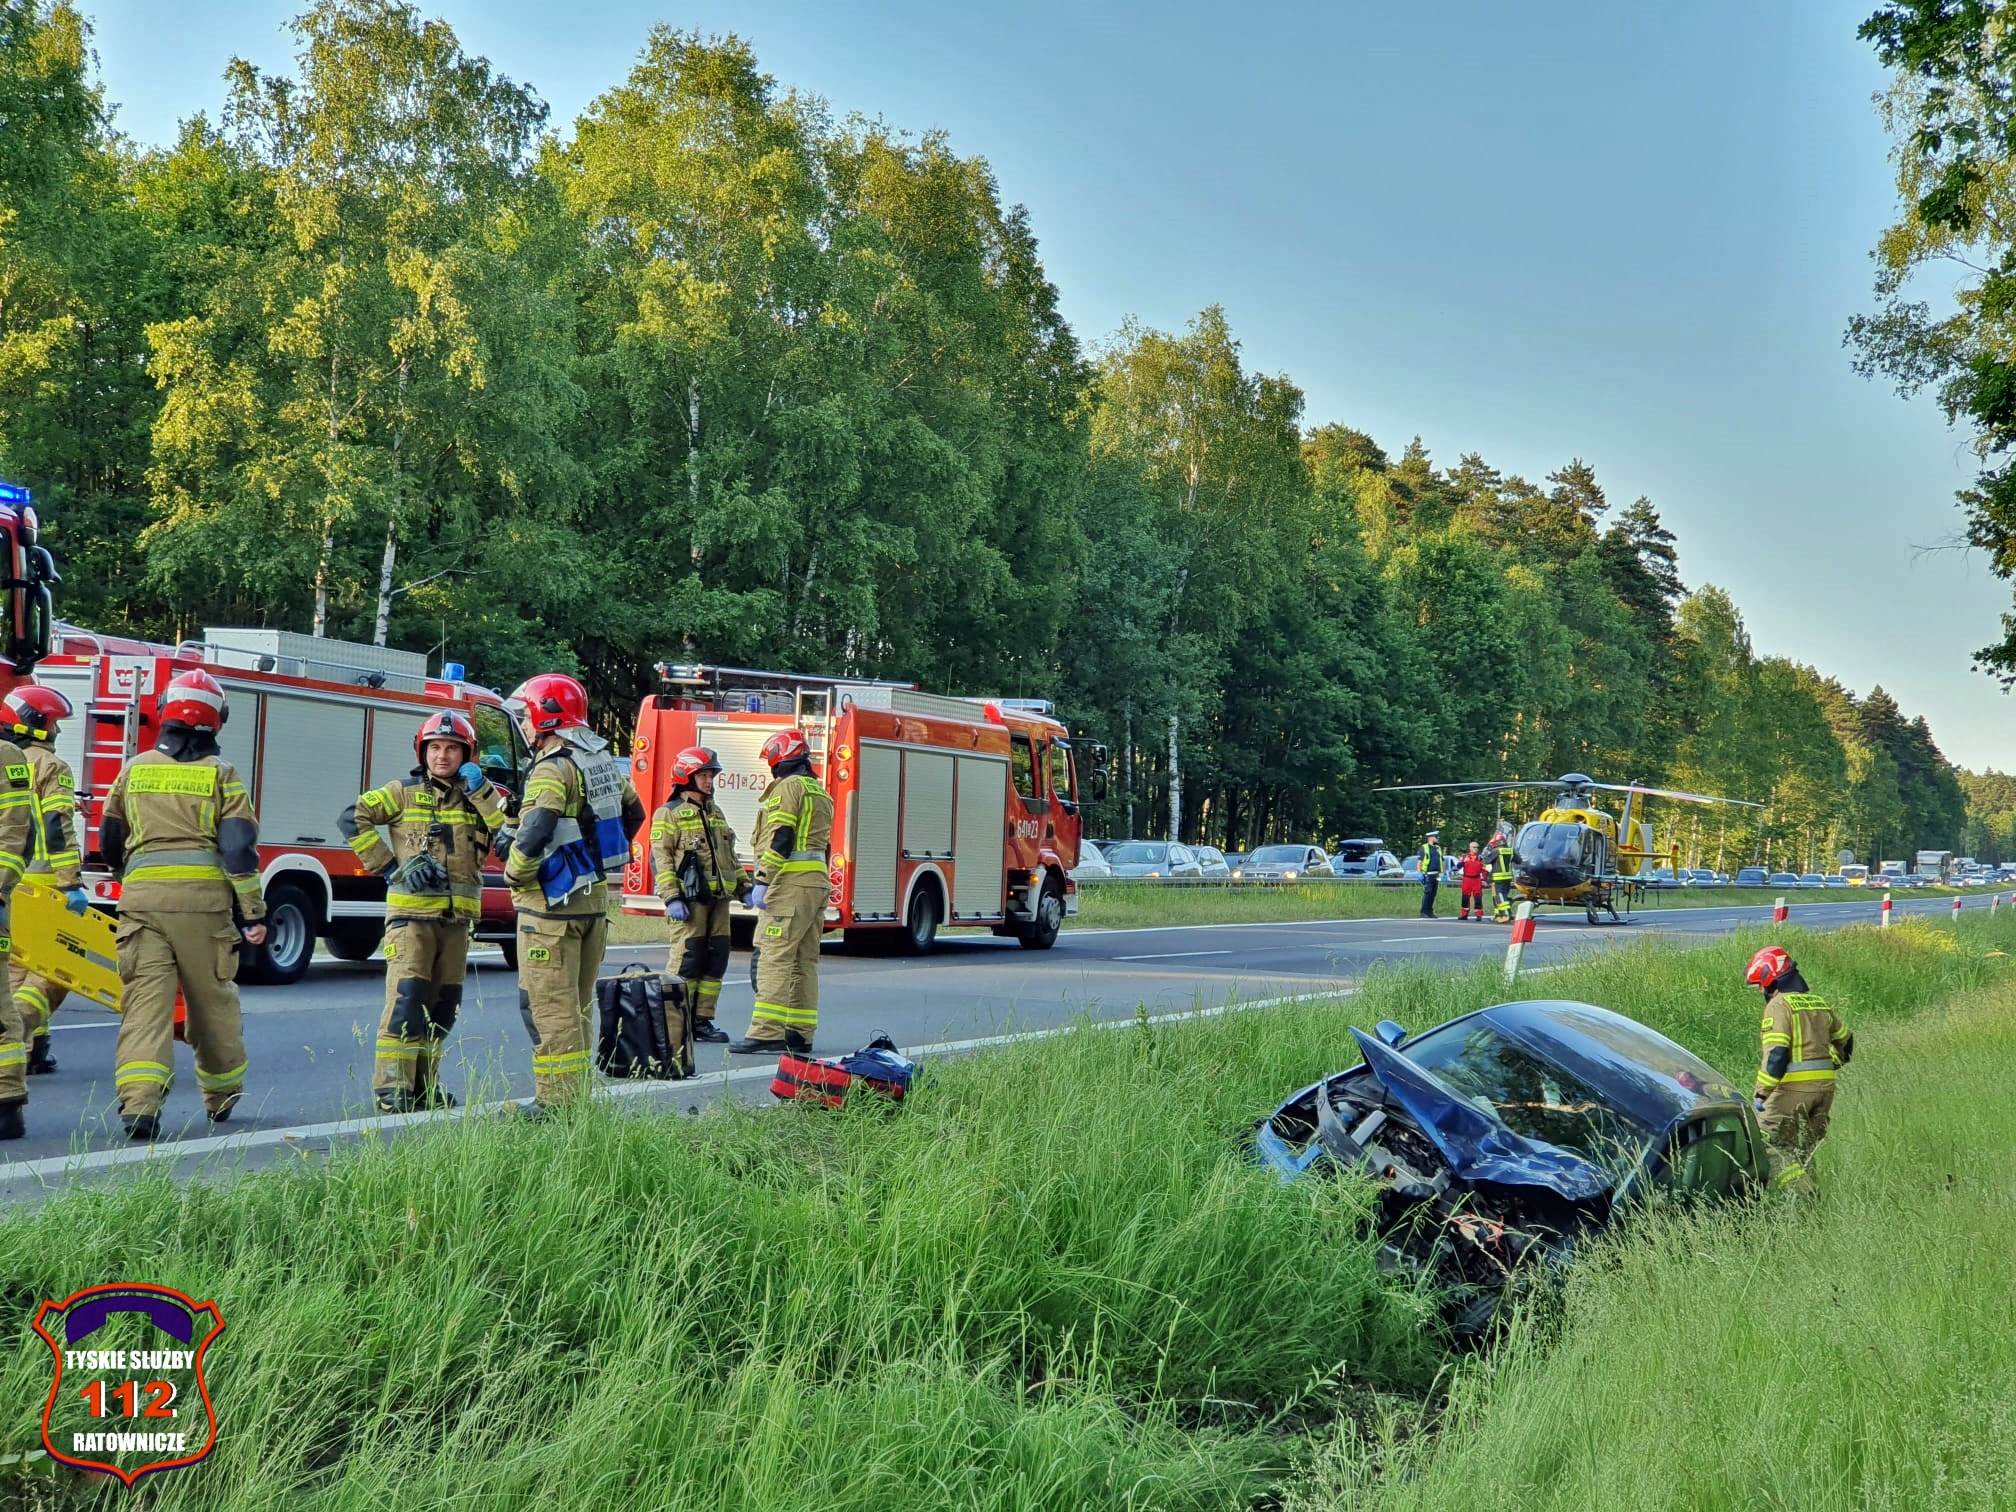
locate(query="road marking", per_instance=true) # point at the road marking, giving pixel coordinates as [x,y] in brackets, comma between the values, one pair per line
[1170,955]
[1415,939]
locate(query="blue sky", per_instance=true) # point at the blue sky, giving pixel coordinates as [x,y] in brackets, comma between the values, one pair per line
[1625,231]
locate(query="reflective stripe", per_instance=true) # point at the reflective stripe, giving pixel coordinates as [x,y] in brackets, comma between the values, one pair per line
[459,903]
[30,993]
[213,1080]
[13,1053]
[144,1071]
[165,857]
[1810,1065]
[173,874]
[779,1013]
[392,1049]
[560,1065]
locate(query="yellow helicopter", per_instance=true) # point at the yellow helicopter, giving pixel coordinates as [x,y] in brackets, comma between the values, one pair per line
[1577,854]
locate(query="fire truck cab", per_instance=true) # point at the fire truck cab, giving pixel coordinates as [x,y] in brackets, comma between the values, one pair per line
[948,812]
[313,722]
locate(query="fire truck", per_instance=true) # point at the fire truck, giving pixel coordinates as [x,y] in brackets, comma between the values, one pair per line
[313,722]
[948,812]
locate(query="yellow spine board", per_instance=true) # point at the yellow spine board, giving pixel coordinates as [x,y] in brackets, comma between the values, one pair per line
[81,954]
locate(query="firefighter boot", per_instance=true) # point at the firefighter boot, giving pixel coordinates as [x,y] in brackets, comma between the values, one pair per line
[40,1061]
[12,1125]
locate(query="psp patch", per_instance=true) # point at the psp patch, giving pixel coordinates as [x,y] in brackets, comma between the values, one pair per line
[538,953]
[128,1396]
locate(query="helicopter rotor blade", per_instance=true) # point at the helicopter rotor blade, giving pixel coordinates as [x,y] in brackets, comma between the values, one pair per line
[1652,792]
[1465,789]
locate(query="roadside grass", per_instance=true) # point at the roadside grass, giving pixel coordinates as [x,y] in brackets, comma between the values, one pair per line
[1050,1280]
[1852,1349]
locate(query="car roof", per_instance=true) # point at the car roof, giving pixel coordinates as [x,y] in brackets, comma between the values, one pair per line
[1645,1073]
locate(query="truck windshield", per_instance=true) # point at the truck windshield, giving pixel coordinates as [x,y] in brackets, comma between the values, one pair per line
[1062,783]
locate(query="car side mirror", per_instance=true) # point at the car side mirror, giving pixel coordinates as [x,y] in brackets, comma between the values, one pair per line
[1390,1034]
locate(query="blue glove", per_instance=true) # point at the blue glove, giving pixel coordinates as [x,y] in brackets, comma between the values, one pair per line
[75,900]
[756,895]
[472,774]
[675,908]
[1758,1102]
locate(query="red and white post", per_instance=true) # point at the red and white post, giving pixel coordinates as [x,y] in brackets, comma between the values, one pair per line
[1956,910]
[1779,912]
[1522,936]
[1994,904]
[1886,910]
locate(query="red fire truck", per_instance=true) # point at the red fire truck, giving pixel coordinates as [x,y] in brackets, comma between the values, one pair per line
[948,812]
[313,723]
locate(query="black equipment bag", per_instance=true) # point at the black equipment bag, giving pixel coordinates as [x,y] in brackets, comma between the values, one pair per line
[644,1026]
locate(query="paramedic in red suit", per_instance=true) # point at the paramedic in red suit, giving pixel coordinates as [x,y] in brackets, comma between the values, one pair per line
[1472,870]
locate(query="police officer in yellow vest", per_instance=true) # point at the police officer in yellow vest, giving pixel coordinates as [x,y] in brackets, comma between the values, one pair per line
[441,826]
[32,713]
[1501,875]
[1805,1045]
[794,831]
[573,834]
[17,818]
[693,863]
[178,826]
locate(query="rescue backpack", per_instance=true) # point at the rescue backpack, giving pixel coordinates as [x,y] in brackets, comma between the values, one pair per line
[877,1067]
[644,1026]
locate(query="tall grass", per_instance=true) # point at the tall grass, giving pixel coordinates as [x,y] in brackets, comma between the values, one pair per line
[1051,1280]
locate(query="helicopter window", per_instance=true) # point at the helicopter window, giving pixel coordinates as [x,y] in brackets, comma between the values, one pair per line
[1551,845]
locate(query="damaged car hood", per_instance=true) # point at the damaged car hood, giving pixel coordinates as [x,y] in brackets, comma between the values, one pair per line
[1478,1145]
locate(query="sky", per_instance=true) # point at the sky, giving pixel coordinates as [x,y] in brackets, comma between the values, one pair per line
[1625,231]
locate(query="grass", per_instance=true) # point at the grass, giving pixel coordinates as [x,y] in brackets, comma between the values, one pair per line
[1049,1281]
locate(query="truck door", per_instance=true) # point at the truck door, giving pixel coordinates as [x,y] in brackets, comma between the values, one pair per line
[1026,815]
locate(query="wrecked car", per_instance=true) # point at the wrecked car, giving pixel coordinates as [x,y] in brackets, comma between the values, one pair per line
[1500,1139]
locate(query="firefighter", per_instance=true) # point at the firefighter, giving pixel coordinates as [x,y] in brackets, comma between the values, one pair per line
[441,825]
[794,827]
[1805,1045]
[1501,876]
[32,712]
[17,818]
[1431,872]
[573,833]
[693,860]
[179,829]
[1471,870]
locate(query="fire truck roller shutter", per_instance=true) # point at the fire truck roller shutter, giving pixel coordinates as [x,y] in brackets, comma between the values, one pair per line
[392,732]
[927,805]
[980,883]
[314,766]
[872,856]
[744,775]
[238,742]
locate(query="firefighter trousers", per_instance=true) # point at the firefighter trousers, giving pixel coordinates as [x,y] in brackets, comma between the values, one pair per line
[35,999]
[1794,1122]
[160,951]
[787,961]
[425,963]
[558,961]
[700,955]
[14,1036]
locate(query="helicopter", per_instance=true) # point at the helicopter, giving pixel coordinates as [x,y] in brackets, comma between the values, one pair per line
[1577,854]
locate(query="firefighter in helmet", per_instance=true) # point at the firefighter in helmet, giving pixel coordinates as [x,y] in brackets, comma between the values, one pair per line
[179,828]
[693,860]
[17,844]
[1805,1045]
[31,714]
[440,825]
[1501,874]
[794,829]
[573,833]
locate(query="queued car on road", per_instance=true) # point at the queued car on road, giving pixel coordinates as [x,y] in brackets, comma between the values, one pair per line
[1366,859]
[1659,877]
[1812,879]
[1154,859]
[1750,876]
[1782,879]
[1835,879]
[1501,1139]
[1701,876]
[1091,865]
[1285,863]
[1212,859]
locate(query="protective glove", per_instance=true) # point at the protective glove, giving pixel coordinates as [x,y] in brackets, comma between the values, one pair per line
[75,900]
[501,846]
[1757,1102]
[472,775]
[422,874]
[757,894]
[675,908]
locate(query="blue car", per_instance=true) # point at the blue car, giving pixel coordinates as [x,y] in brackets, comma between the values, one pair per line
[1500,1138]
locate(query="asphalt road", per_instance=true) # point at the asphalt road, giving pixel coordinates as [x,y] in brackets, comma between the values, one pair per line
[309,1045]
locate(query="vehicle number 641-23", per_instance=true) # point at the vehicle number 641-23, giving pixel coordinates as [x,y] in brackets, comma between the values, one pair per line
[126,1397]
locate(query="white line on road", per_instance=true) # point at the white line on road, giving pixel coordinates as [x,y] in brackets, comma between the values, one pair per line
[1416,939]
[1171,955]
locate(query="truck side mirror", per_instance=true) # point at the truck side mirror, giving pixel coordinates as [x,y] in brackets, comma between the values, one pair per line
[1099,780]
[1390,1034]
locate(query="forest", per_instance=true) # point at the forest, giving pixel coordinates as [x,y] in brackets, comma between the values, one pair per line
[376,349]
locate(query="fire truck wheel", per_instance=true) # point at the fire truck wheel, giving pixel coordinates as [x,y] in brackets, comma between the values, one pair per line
[920,925]
[355,944]
[1040,933]
[292,922]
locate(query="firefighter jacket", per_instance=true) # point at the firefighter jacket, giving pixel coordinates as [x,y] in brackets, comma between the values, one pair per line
[1501,863]
[794,828]
[17,817]
[574,828]
[54,853]
[1804,1041]
[182,834]
[430,817]
[693,852]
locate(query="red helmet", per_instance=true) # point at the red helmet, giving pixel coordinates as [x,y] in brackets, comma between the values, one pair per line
[551,701]
[691,762]
[195,699]
[1767,966]
[785,745]
[449,724]
[33,710]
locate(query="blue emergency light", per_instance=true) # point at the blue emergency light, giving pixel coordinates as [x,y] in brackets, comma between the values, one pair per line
[451,671]
[14,493]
